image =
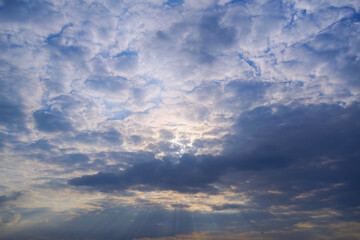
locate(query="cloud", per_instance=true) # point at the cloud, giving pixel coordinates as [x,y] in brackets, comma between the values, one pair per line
[206,38]
[11,114]
[8,218]
[213,36]
[185,176]
[228,206]
[241,116]
[140,223]
[72,159]
[52,122]
[107,85]
[317,141]
[4,199]
[23,11]
[125,61]
[111,137]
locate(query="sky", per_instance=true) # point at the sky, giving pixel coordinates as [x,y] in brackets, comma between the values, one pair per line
[180,119]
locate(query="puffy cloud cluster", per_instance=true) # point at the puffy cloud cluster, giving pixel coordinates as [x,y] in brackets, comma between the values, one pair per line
[246,111]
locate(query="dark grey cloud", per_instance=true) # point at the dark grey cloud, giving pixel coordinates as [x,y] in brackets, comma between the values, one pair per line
[11,114]
[74,54]
[5,199]
[109,162]
[213,37]
[164,146]
[238,94]
[213,34]
[110,136]
[125,61]
[68,163]
[244,93]
[294,150]
[185,176]
[208,39]
[166,134]
[229,206]
[206,143]
[41,145]
[75,159]
[52,121]
[247,90]
[3,138]
[314,128]
[68,103]
[61,50]
[136,139]
[127,157]
[107,84]
[306,149]
[26,11]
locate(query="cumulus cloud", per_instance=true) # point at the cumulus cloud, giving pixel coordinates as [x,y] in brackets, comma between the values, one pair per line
[51,122]
[12,115]
[276,146]
[245,111]
[4,199]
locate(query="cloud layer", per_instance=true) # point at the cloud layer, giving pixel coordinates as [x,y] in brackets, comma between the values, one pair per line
[180,119]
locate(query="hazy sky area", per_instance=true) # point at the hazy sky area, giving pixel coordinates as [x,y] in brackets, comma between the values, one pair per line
[180,119]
